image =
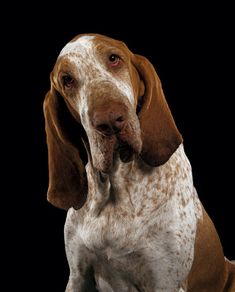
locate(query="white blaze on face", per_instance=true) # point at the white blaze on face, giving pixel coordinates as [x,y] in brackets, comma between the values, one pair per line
[90,69]
[80,46]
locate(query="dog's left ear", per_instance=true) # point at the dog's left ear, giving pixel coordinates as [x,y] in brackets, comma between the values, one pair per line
[160,135]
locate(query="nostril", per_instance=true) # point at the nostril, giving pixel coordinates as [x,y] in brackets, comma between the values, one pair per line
[104,128]
[120,119]
[119,123]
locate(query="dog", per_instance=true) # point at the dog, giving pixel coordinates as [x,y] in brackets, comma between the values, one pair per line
[117,164]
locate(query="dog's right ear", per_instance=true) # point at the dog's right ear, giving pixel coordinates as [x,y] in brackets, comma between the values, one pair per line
[67,176]
[160,135]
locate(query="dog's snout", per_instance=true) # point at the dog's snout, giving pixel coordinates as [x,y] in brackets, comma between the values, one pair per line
[109,120]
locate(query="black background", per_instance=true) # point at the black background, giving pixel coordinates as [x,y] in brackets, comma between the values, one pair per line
[191,49]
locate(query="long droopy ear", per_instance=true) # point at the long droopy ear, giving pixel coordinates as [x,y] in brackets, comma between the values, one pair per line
[159,133]
[67,177]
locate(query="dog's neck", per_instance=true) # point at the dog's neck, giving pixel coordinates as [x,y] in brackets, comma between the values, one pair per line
[127,180]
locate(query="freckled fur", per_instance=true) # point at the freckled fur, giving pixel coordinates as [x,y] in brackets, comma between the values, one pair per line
[142,226]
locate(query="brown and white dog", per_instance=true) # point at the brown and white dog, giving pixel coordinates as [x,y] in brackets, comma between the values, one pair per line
[117,163]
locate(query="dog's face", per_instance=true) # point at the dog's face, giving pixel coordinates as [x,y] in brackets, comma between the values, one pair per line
[102,89]
[112,100]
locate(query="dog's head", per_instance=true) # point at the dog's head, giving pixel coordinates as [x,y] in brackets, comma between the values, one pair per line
[104,96]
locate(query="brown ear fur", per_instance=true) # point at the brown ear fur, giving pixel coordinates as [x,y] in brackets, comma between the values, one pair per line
[67,177]
[159,133]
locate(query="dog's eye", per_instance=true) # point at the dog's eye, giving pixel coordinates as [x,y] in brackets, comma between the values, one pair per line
[114,60]
[68,81]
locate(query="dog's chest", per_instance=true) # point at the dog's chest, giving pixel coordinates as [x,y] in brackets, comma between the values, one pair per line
[109,234]
[120,231]
[159,246]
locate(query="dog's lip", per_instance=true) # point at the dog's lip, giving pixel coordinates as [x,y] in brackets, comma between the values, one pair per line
[126,151]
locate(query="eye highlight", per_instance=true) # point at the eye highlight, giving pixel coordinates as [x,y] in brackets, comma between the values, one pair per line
[67,81]
[114,60]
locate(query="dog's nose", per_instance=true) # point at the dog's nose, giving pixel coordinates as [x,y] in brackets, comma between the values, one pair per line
[109,120]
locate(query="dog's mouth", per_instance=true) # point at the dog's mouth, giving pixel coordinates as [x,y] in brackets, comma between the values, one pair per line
[104,151]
